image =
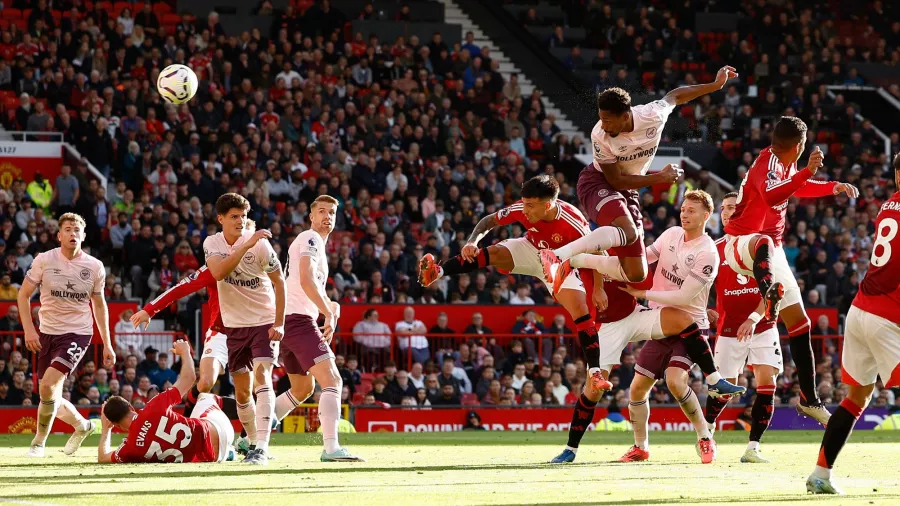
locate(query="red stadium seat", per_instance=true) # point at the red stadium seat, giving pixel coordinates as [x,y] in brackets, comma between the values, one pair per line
[835,149]
[470,400]
[647,79]
[27,12]
[170,18]
[119,6]
[364,387]
[10,13]
[105,6]
[358,398]
[162,8]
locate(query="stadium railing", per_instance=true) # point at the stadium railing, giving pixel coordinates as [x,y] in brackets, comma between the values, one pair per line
[538,346]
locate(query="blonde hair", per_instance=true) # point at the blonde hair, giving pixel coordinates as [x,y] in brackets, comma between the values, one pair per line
[700,197]
[326,199]
[74,218]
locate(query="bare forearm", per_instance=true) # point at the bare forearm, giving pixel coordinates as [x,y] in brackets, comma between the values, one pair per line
[226,265]
[685,94]
[24,305]
[104,451]
[101,316]
[309,288]
[634,181]
[484,226]
[280,295]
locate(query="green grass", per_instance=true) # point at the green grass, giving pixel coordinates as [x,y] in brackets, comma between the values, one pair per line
[498,468]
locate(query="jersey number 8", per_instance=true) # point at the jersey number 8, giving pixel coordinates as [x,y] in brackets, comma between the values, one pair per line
[155,450]
[887,231]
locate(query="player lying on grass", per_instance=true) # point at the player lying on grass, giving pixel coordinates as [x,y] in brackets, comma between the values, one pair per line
[686,267]
[215,349]
[548,221]
[871,340]
[305,350]
[158,434]
[741,342]
[71,286]
[754,236]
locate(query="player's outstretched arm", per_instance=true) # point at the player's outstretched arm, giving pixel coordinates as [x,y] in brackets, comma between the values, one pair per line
[101,316]
[203,278]
[685,94]
[484,226]
[187,376]
[104,452]
[220,267]
[620,181]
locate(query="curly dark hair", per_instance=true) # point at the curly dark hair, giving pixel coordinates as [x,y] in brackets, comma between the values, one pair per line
[614,100]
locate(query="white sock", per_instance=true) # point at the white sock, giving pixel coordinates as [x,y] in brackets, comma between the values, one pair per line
[67,413]
[46,415]
[640,418]
[592,370]
[247,416]
[265,411]
[753,445]
[713,378]
[284,404]
[822,473]
[610,266]
[573,450]
[691,407]
[329,415]
[601,239]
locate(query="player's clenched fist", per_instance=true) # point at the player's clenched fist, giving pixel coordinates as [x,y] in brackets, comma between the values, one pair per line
[181,347]
[671,172]
[259,234]
[32,341]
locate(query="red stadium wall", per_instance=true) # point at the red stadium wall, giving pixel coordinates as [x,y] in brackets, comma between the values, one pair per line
[24,159]
[115,309]
[500,319]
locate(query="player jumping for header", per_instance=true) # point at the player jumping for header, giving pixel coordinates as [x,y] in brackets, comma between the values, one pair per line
[71,284]
[753,243]
[305,349]
[624,141]
[159,434]
[741,342]
[871,340]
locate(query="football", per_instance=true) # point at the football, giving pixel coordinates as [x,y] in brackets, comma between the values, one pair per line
[177,84]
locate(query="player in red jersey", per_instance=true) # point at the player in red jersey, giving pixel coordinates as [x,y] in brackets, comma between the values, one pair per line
[871,340]
[548,221]
[158,433]
[759,347]
[754,237]
[215,350]
[624,141]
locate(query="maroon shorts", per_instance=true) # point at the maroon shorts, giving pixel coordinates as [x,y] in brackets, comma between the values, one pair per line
[303,345]
[62,352]
[657,356]
[246,344]
[602,203]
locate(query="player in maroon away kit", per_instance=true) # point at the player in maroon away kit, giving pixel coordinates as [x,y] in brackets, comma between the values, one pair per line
[753,243]
[71,284]
[871,340]
[624,141]
[549,222]
[741,342]
[306,350]
[159,434]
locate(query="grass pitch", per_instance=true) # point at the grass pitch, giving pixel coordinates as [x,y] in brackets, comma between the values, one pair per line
[505,468]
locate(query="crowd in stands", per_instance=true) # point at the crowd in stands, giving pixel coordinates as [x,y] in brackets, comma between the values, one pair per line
[418,140]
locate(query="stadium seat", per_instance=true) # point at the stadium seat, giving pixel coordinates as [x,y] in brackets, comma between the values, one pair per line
[162,8]
[470,400]
[119,6]
[364,387]
[358,398]
[10,13]
[105,6]
[170,18]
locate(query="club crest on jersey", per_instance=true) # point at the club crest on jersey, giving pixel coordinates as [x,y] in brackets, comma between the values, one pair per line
[312,242]
[602,193]
[503,213]
[85,274]
[249,257]
[689,261]
[323,346]
[597,147]
[557,237]
[651,132]
[707,270]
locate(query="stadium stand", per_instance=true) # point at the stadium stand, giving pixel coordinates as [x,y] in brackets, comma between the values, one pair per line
[382,108]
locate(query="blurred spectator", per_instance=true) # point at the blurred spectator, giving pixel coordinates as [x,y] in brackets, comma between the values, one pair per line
[411,336]
[11,322]
[373,337]
[823,327]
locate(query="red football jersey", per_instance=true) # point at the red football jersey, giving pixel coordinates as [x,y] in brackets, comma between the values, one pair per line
[621,304]
[159,434]
[763,197]
[879,291]
[568,224]
[200,279]
[736,297]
